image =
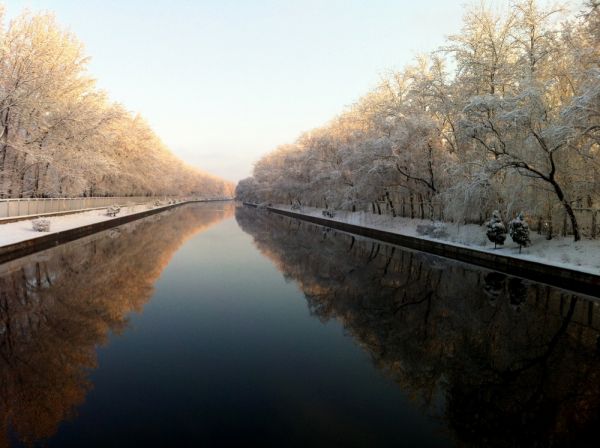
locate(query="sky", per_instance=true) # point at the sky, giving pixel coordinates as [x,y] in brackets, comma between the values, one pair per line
[223,82]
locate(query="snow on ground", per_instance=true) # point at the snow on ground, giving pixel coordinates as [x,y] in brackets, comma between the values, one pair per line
[15,232]
[582,256]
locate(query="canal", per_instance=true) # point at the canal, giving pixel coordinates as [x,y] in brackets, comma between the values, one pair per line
[217,325]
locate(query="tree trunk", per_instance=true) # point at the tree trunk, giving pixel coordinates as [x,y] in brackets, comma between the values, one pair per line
[573,219]
[568,209]
[550,228]
[36,186]
[389,199]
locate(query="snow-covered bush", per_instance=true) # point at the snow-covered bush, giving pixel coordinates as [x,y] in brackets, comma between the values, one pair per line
[496,230]
[296,207]
[41,225]
[439,230]
[328,213]
[435,230]
[113,210]
[519,231]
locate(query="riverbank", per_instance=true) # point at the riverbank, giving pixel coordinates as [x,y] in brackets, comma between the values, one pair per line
[559,262]
[20,229]
[18,239]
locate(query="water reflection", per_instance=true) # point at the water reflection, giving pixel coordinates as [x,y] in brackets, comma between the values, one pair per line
[58,306]
[502,361]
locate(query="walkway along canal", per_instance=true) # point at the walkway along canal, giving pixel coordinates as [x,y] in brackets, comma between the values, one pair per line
[223,326]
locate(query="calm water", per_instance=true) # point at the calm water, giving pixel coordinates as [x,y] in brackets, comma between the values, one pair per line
[216,326]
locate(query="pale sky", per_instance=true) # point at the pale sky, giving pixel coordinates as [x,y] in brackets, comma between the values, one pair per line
[223,82]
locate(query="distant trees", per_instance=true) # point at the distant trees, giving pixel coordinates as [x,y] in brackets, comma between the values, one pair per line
[60,136]
[515,124]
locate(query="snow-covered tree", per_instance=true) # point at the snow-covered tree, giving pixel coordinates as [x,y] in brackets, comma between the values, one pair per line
[504,116]
[60,135]
[519,231]
[496,230]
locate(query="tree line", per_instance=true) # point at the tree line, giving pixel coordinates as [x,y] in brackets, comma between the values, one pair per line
[61,136]
[504,116]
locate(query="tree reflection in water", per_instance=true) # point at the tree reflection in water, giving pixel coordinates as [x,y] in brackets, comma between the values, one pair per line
[58,306]
[502,361]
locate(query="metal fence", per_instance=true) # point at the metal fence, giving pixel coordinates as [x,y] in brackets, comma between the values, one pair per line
[37,206]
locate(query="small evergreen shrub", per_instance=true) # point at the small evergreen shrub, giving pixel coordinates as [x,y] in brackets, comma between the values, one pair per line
[41,225]
[519,231]
[496,230]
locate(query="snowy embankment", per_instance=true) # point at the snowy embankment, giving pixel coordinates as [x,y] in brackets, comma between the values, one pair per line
[16,232]
[583,256]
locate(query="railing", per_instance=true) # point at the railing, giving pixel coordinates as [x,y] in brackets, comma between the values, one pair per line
[36,206]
